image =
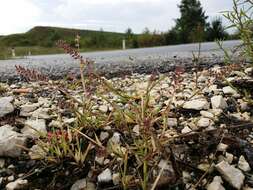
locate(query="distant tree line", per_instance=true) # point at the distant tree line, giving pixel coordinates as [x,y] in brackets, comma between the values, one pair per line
[191,27]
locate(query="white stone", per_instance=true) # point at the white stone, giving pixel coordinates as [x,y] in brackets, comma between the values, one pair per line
[36,152]
[186,130]
[231,174]
[55,123]
[83,184]
[27,109]
[79,184]
[204,122]
[6,106]
[103,136]
[248,70]
[105,176]
[100,160]
[218,102]
[200,104]
[18,184]
[103,108]
[229,90]
[207,114]
[69,120]
[10,178]
[163,164]
[172,122]
[116,178]
[34,128]
[41,113]
[136,130]
[243,164]
[222,147]
[115,138]
[216,184]
[229,157]
[9,140]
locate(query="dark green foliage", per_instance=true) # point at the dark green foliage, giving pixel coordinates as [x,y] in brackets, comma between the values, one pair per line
[48,36]
[192,19]
[216,31]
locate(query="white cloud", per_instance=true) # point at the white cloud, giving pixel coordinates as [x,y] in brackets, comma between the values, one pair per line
[17,15]
[113,15]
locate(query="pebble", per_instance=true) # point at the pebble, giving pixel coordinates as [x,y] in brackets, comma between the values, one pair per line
[222,147]
[83,184]
[243,164]
[228,90]
[9,140]
[105,176]
[6,106]
[103,136]
[218,102]
[34,128]
[207,114]
[204,122]
[200,104]
[216,184]
[116,178]
[186,130]
[18,184]
[172,122]
[103,108]
[231,174]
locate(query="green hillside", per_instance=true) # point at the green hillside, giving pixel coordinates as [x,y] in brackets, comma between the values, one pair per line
[40,40]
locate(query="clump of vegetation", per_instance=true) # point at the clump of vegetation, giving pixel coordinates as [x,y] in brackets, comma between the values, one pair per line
[241,19]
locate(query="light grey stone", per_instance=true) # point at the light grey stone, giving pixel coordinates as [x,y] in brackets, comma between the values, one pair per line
[116,178]
[216,184]
[207,114]
[229,90]
[243,164]
[18,184]
[103,136]
[34,128]
[9,141]
[105,176]
[82,184]
[172,122]
[186,130]
[6,106]
[204,122]
[222,147]
[231,174]
[103,108]
[199,104]
[218,102]
[27,109]
[41,113]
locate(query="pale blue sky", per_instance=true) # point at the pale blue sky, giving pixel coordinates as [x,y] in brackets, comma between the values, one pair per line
[112,15]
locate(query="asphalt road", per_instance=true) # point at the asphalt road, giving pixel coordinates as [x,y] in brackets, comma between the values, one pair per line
[143,60]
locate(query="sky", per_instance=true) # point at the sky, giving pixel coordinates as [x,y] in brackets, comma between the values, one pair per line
[18,16]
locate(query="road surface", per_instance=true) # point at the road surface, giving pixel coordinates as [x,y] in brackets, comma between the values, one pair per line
[111,63]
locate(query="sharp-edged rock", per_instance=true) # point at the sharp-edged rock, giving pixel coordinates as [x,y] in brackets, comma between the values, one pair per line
[34,128]
[216,184]
[6,106]
[18,184]
[218,102]
[9,141]
[231,174]
[199,104]
[243,164]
